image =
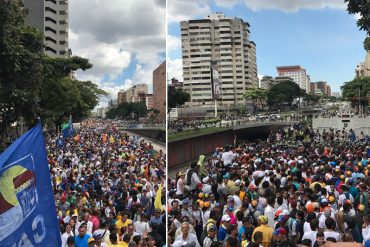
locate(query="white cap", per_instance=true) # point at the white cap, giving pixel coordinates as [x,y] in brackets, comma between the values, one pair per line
[205,180]
[237,182]
[226,217]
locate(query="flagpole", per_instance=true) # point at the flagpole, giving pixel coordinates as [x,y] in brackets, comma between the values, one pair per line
[215,108]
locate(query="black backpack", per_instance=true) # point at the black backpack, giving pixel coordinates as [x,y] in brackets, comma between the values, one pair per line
[188,177]
[252,217]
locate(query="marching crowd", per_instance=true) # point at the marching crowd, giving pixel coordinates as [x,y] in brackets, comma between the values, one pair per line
[299,187]
[108,188]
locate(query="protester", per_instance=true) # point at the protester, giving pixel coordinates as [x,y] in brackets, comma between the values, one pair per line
[107,185]
[299,187]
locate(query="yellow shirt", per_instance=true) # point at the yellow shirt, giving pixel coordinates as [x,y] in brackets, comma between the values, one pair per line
[120,224]
[267,234]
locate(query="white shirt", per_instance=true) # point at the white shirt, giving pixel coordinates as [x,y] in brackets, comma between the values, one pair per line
[331,234]
[105,237]
[228,157]
[306,227]
[191,238]
[270,213]
[310,235]
[179,186]
[65,237]
[141,227]
[366,233]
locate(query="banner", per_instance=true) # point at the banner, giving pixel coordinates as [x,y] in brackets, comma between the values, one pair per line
[216,84]
[27,209]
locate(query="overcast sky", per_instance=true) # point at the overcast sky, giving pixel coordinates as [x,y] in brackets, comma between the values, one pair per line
[317,34]
[125,40]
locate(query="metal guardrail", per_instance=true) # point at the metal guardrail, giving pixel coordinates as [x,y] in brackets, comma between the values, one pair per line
[239,123]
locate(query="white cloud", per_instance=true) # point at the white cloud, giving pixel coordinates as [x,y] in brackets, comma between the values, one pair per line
[293,6]
[173,43]
[174,69]
[357,16]
[182,10]
[226,3]
[112,35]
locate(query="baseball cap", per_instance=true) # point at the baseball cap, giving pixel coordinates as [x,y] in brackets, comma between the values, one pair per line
[97,235]
[230,199]
[263,219]
[211,227]
[226,218]
[90,240]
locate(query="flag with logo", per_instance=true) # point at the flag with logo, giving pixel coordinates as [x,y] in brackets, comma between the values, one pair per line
[67,128]
[27,209]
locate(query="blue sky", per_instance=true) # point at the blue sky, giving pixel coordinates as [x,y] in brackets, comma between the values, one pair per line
[318,35]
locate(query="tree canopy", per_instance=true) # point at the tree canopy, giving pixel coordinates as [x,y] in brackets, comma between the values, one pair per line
[125,110]
[361,7]
[357,91]
[176,97]
[257,95]
[21,72]
[33,84]
[283,92]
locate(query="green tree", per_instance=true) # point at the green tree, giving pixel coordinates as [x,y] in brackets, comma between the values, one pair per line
[311,98]
[176,97]
[61,95]
[111,113]
[357,91]
[21,49]
[152,114]
[257,95]
[283,92]
[361,7]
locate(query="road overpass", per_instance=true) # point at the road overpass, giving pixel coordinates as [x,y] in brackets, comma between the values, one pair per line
[184,147]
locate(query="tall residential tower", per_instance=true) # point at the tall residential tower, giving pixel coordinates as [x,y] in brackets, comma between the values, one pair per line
[51,18]
[297,73]
[224,41]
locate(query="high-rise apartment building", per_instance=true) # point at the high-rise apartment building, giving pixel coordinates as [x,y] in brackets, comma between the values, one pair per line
[363,69]
[159,91]
[321,88]
[224,41]
[51,18]
[136,93]
[267,82]
[297,73]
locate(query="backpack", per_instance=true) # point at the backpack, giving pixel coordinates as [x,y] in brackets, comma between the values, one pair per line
[205,234]
[253,218]
[188,176]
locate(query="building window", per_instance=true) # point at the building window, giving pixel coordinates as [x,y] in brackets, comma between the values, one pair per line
[48,9]
[50,29]
[47,48]
[50,39]
[51,20]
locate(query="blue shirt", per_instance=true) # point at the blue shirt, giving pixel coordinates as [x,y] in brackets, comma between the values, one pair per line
[82,242]
[221,234]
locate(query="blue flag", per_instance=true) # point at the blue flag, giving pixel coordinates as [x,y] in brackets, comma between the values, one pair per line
[27,209]
[67,128]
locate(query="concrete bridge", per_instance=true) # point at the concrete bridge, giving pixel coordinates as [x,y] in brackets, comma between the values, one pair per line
[188,148]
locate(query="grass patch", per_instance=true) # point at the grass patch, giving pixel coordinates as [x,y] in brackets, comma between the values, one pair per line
[194,133]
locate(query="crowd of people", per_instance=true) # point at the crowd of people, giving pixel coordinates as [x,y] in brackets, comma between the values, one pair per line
[109,187]
[299,187]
